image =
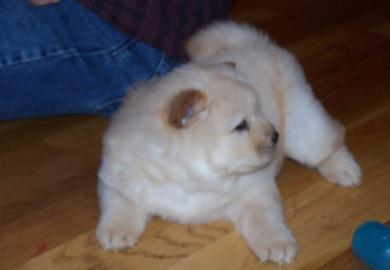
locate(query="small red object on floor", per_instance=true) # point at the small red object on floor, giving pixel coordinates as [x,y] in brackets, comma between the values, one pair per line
[41,248]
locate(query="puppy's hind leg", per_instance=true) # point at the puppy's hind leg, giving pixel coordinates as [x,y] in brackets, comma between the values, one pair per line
[312,137]
[121,222]
[341,168]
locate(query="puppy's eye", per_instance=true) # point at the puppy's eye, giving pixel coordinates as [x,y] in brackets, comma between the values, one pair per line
[242,126]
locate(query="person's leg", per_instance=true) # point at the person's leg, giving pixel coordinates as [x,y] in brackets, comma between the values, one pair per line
[62,59]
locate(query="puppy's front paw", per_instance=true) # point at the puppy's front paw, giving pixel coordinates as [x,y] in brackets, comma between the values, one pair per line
[114,236]
[278,250]
[341,168]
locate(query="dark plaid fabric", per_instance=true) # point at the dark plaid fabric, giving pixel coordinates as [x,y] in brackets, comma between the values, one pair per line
[164,24]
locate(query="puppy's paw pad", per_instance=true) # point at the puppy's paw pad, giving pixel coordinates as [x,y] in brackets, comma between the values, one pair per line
[341,168]
[114,237]
[283,252]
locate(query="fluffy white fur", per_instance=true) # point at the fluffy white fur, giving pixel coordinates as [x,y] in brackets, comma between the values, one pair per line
[220,160]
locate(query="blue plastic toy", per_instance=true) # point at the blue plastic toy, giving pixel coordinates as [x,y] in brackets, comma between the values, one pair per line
[371,244]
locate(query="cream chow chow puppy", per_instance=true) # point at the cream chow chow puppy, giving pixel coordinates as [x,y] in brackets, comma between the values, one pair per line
[206,141]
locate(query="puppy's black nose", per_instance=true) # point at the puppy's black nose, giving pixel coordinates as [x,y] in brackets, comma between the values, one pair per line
[275,137]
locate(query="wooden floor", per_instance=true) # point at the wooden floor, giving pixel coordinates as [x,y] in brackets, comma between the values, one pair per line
[48,207]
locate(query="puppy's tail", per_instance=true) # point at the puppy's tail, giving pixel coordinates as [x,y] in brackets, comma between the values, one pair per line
[222,36]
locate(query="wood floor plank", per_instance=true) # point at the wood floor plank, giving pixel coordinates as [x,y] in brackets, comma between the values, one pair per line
[162,245]
[345,261]
[48,188]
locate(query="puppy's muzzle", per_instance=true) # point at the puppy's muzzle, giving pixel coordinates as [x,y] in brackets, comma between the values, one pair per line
[270,143]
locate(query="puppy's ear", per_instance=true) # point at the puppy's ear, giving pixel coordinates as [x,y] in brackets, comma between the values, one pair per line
[185,108]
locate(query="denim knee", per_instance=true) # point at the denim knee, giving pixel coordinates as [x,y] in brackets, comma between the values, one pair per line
[67,61]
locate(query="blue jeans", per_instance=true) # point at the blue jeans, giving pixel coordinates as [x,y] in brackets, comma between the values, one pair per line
[62,59]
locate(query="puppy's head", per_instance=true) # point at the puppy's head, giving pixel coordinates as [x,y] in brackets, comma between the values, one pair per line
[219,121]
